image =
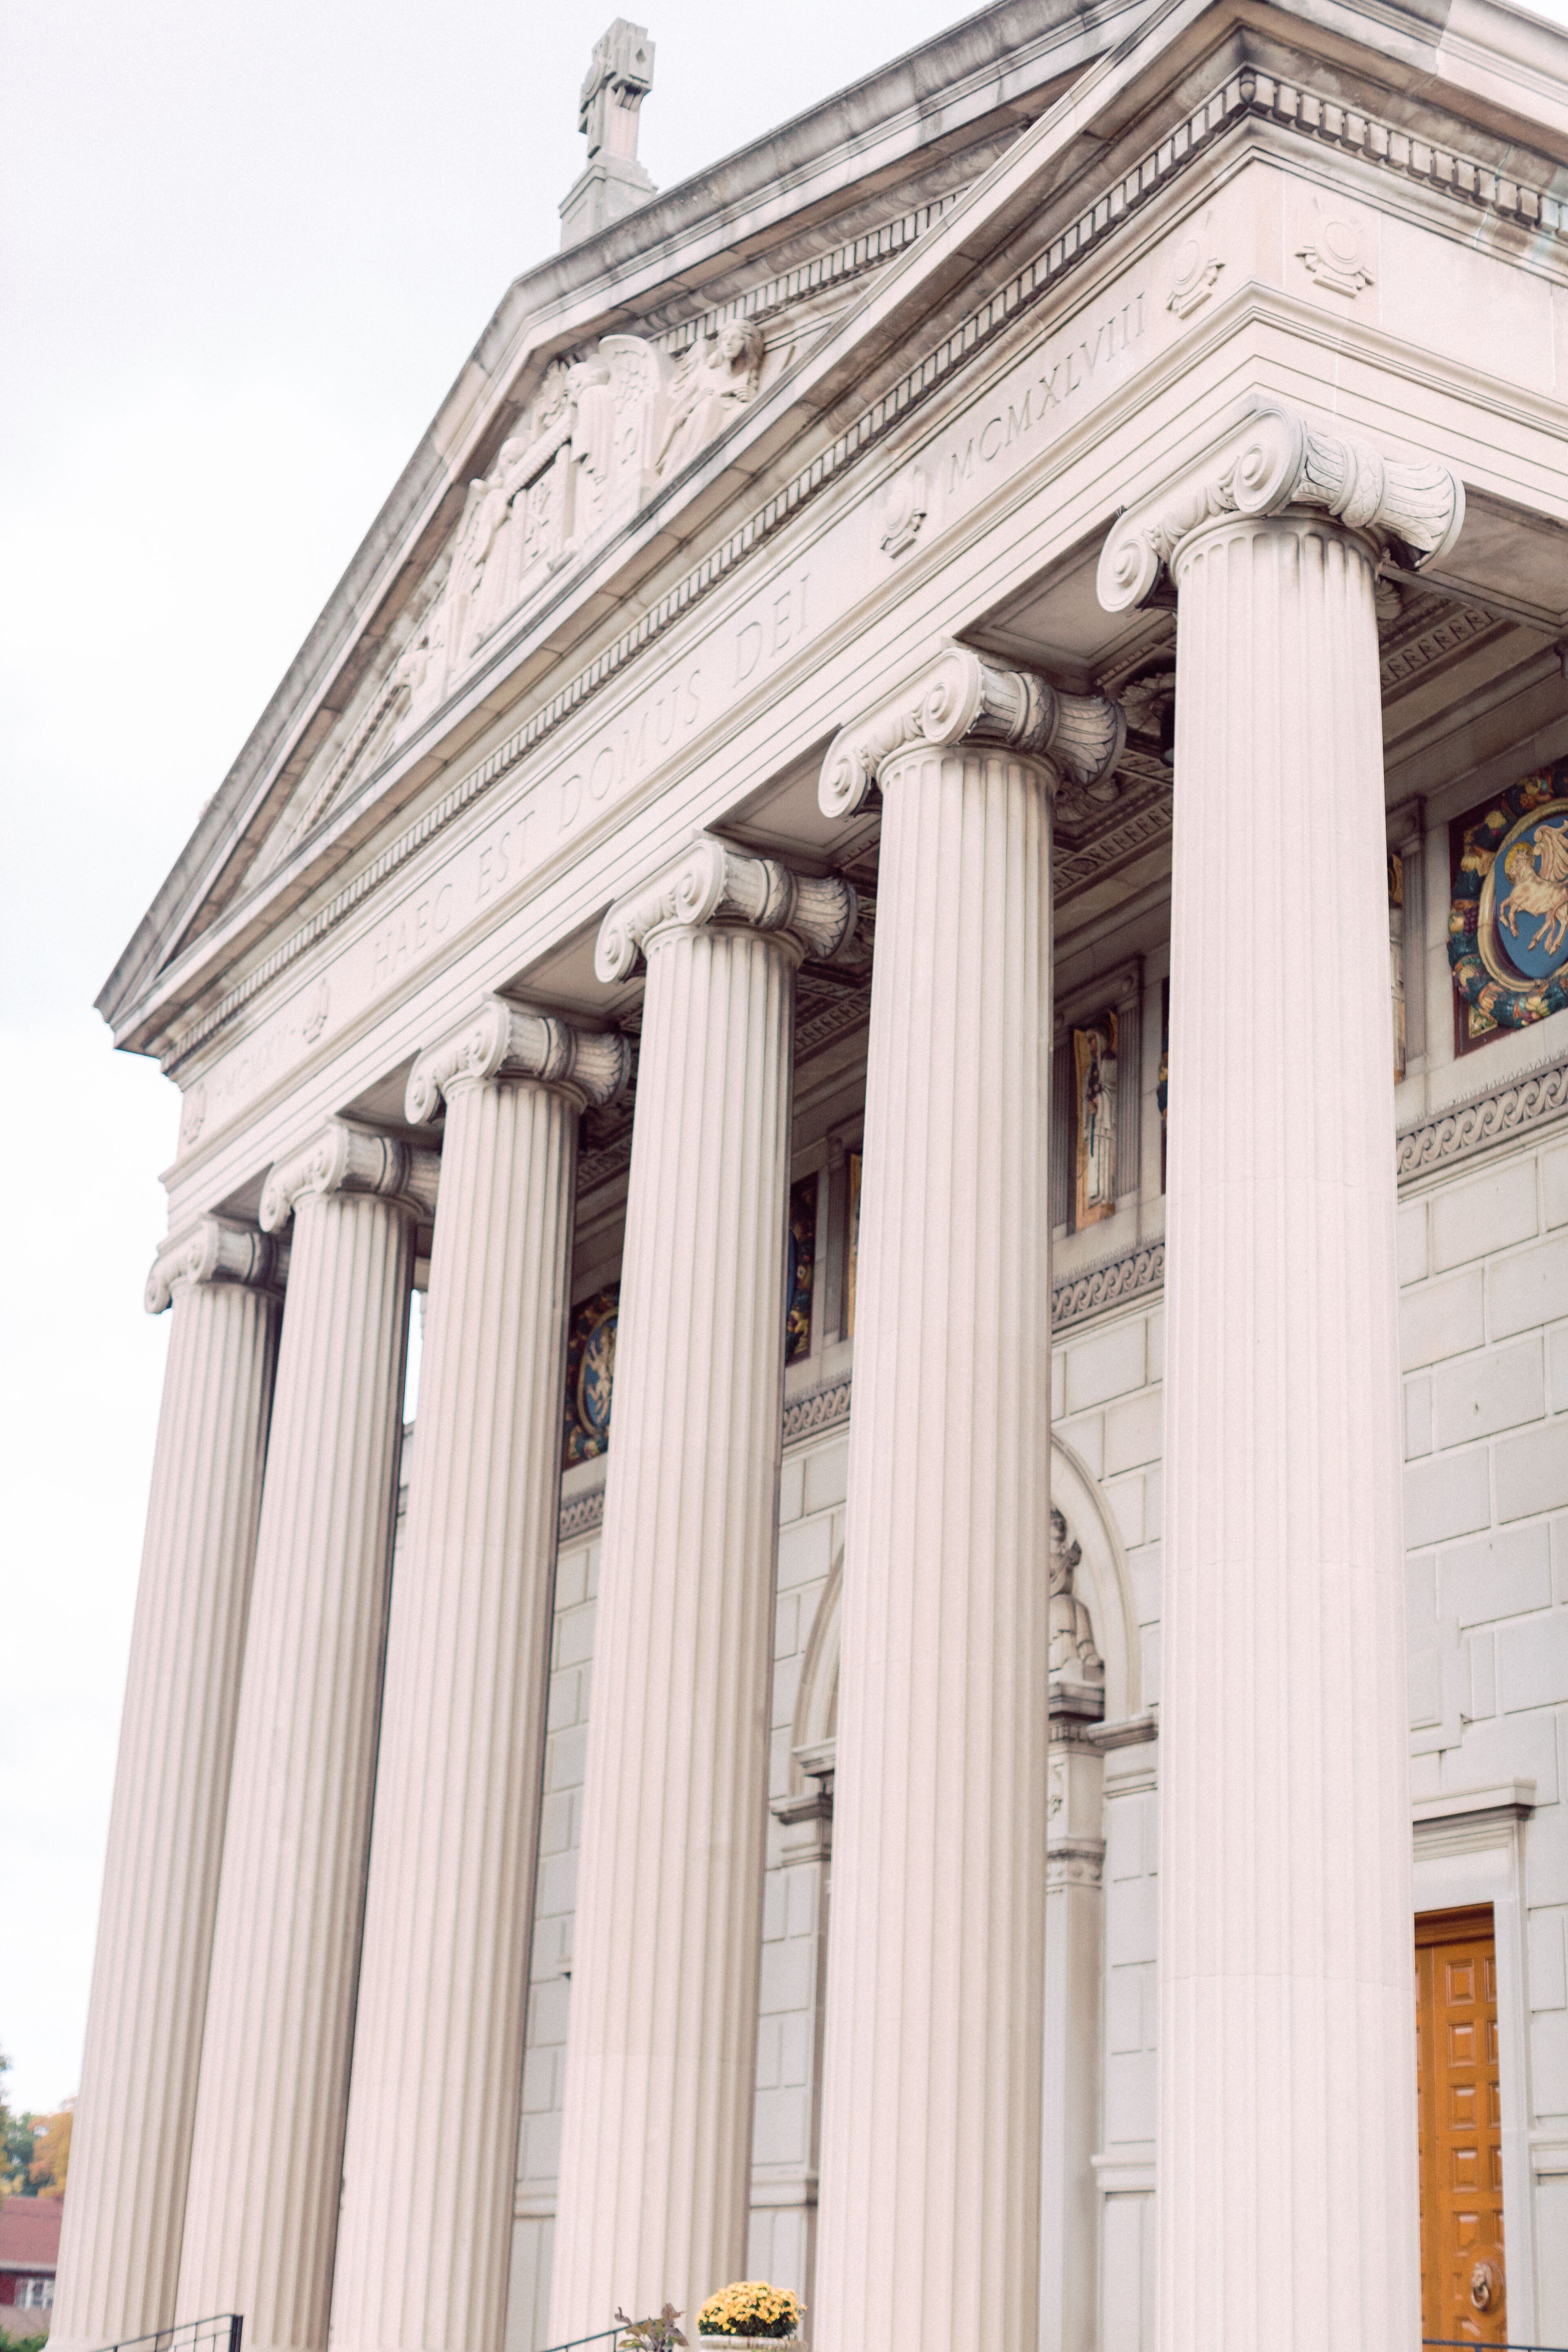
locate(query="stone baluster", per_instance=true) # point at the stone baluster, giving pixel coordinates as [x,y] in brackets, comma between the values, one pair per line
[431,2149]
[262,2210]
[929,2225]
[655,2166]
[120,2244]
[1287,2132]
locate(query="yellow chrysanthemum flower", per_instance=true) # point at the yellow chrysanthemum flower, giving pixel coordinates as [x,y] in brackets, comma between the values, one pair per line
[750,2307]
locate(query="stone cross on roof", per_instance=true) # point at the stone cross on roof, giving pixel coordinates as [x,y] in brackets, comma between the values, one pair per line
[618,81]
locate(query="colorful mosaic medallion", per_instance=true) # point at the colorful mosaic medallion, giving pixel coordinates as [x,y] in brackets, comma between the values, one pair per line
[590,1375]
[1508,924]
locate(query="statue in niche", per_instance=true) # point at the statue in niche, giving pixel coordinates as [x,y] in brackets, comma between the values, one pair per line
[1073,1655]
[715,381]
[1094,1081]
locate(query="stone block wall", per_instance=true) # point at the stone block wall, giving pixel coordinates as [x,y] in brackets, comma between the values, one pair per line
[1484,1328]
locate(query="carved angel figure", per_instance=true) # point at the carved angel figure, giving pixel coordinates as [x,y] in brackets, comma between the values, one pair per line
[715,381]
[1072,1649]
[1537,870]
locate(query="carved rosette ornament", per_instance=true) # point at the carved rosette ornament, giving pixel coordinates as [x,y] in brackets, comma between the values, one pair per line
[345,1159]
[211,1251]
[507,1041]
[711,883]
[1273,461]
[965,698]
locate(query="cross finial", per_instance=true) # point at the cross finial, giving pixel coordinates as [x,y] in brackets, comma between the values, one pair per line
[618,79]
[614,182]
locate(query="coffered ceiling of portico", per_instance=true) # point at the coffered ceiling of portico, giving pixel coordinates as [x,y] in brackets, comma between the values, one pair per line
[844,358]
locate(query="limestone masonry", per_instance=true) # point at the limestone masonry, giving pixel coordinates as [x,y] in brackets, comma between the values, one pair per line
[943,790]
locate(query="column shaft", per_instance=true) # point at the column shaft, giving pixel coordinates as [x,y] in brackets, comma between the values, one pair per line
[1286,2148]
[120,2253]
[930,2211]
[1074,1858]
[655,2166]
[431,2152]
[263,2207]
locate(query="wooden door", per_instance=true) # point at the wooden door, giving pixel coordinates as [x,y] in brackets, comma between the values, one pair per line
[1462,2277]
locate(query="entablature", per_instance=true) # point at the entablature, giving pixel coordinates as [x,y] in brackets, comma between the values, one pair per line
[950,502]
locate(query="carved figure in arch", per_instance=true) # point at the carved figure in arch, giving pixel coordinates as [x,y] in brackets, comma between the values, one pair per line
[1073,1654]
[715,381]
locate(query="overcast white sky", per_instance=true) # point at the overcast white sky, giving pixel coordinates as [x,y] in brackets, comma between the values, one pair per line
[247,249]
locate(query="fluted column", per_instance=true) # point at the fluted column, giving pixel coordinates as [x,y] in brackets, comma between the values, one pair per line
[930,2200]
[431,2150]
[655,2164]
[262,2210]
[1287,2134]
[120,2247]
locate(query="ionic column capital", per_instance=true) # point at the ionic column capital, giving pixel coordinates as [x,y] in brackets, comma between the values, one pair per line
[212,1251]
[710,882]
[1274,460]
[965,697]
[506,1041]
[344,1159]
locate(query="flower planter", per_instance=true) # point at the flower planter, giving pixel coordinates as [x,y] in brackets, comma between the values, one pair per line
[753,2344]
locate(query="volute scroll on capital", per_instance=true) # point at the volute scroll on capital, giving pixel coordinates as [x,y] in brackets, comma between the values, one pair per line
[710,882]
[507,1041]
[1272,461]
[965,697]
[344,1159]
[213,1250]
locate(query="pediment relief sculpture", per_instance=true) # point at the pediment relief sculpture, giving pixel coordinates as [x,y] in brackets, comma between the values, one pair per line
[604,433]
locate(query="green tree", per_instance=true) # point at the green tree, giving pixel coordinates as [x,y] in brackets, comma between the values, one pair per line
[51,2151]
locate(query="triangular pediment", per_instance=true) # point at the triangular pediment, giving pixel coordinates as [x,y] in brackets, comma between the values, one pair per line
[623,448]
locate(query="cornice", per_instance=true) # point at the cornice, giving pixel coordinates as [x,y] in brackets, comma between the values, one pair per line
[1538,1098]
[506,1041]
[213,1250]
[1274,460]
[967,697]
[344,1159]
[1247,95]
[711,883]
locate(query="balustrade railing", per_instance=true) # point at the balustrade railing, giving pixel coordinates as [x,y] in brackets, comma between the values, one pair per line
[220,2335]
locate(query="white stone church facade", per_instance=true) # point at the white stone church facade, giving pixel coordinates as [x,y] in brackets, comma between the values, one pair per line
[914,903]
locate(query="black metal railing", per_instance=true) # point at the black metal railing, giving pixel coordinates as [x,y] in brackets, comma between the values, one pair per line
[220,2335]
[573,2342]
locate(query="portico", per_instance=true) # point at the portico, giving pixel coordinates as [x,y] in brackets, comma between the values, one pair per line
[874,762]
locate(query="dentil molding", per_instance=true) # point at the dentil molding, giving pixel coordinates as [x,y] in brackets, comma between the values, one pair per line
[710,882]
[1272,461]
[501,1040]
[212,1251]
[965,698]
[344,1159]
